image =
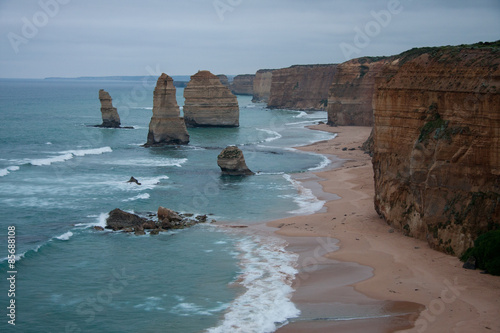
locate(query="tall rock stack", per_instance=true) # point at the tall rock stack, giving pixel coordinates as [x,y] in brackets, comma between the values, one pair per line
[209,103]
[110,117]
[166,126]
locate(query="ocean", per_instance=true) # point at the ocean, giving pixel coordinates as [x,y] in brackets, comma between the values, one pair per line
[59,177]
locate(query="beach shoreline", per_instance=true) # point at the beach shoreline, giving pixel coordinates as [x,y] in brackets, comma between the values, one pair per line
[372,266]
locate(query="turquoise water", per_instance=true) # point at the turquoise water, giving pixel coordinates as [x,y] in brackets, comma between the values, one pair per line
[59,177]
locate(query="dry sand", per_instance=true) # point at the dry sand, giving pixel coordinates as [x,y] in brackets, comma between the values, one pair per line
[379,276]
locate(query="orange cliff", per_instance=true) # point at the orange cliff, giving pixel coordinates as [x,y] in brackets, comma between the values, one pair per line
[437,144]
[351,94]
[301,87]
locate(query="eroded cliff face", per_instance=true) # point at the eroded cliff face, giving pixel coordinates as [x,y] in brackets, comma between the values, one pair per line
[351,94]
[262,85]
[301,87]
[166,126]
[242,84]
[208,103]
[437,144]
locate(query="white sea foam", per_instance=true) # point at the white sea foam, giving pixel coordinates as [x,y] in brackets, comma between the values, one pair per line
[143,196]
[308,203]
[67,155]
[83,152]
[323,164]
[275,135]
[100,221]
[66,236]
[189,309]
[150,162]
[301,114]
[6,171]
[267,274]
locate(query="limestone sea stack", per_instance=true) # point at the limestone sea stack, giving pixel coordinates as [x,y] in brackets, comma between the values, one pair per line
[209,103]
[232,162]
[110,117]
[166,126]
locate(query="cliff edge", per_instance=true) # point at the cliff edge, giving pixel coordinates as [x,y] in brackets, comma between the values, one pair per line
[301,87]
[350,96]
[437,144]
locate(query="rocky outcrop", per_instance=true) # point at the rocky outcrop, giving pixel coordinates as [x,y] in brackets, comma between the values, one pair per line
[121,220]
[166,126]
[232,162]
[301,87]
[437,144]
[351,94]
[262,85]
[243,84]
[110,117]
[167,219]
[208,103]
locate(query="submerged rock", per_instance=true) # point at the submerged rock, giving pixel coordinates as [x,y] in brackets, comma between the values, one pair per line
[166,126]
[133,180]
[232,162]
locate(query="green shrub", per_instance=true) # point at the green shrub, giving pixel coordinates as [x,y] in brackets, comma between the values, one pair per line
[486,250]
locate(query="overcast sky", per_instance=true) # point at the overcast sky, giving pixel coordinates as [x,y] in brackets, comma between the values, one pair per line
[71,38]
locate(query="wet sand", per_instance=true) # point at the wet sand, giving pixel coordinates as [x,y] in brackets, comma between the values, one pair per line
[374,279]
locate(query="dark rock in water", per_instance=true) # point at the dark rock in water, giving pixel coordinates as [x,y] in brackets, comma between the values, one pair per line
[201,218]
[110,117]
[120,220]
[470,263]
[232,162]
[139,231]
[133,180]
[98,228]
[155,231]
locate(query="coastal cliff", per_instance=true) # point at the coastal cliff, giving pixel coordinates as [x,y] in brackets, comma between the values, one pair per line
[208,103]
[301,87]
[437,144]
[242,84]
[166,126]
[224,80]
[262,85]
[351,94]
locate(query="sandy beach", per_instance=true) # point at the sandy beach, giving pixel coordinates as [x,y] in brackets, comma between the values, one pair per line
[356,274]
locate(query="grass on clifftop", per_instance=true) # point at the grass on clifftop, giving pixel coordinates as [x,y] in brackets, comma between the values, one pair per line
[439,51]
